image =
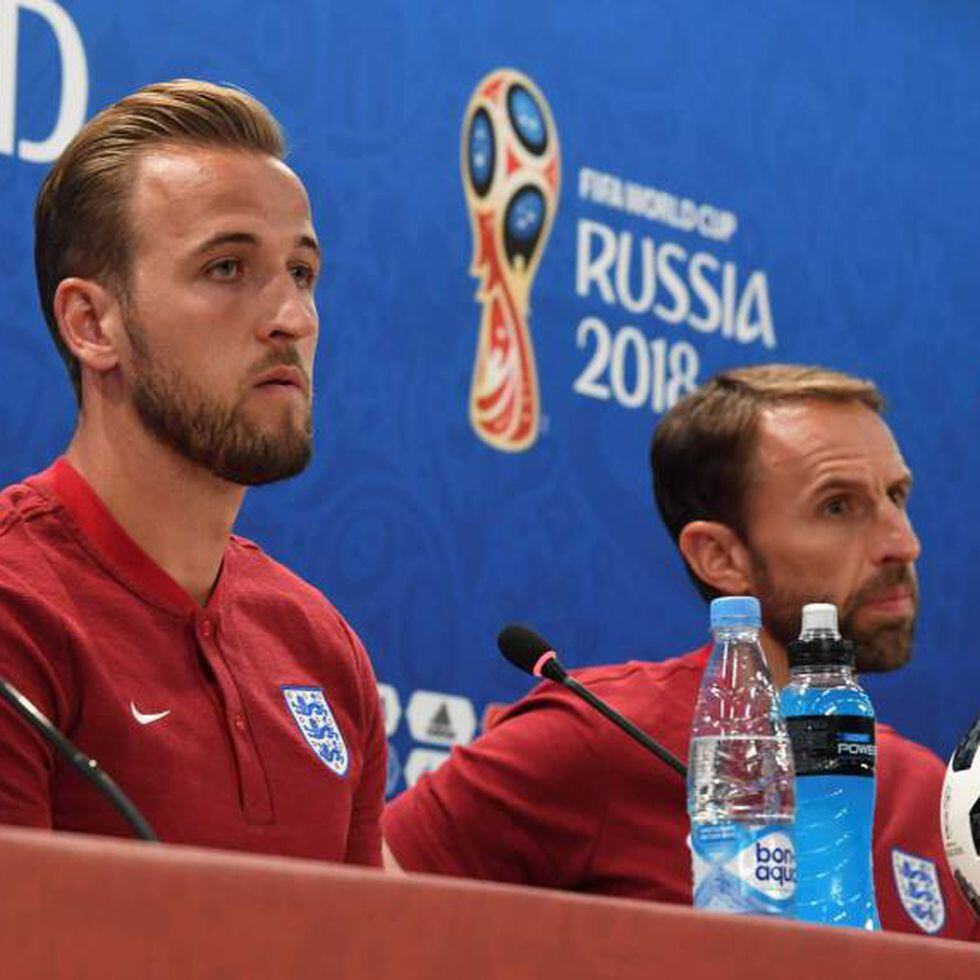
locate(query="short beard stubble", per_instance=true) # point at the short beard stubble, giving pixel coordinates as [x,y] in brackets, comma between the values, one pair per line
[219,438]
[877,650]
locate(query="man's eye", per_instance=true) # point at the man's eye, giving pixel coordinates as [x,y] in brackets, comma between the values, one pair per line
[225,269]
[836,506]
[899,496]
[304,275]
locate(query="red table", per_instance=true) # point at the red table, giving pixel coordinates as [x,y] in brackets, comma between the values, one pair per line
[82,907]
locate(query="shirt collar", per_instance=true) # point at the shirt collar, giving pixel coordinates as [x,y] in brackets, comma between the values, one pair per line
[107,540]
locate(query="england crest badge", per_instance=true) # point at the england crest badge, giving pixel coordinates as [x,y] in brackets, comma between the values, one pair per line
[917,882]
[312,714]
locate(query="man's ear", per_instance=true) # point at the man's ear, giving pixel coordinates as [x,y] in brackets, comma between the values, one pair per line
[717,556]
[90,322]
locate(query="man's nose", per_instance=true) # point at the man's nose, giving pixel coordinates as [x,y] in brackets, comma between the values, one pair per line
[291,312]
[896,538]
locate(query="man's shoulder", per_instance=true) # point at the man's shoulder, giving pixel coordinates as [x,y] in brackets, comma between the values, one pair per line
[902,759]
[260,582]
[640,680]
[657,695]
[909,782]
[32,532]
[35,566]
[23,503]
[257,569]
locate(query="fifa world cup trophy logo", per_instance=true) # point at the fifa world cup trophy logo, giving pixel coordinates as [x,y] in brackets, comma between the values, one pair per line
[511,172]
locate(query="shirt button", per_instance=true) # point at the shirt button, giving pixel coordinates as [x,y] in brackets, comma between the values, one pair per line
[206,628]
[240,722]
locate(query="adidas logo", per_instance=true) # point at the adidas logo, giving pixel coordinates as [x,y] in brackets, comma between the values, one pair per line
[440,725]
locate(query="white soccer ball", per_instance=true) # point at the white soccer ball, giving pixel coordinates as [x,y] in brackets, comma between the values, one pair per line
[961,815]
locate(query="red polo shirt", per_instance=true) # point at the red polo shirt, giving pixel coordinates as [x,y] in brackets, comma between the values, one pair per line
[252,723]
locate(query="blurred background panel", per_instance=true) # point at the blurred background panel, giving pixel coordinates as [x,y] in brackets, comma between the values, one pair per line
[722,184]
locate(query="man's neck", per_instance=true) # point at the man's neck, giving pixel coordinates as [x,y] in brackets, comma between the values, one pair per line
[178,513]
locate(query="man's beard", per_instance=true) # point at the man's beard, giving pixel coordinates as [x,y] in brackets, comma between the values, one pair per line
[218,437]
[877,649]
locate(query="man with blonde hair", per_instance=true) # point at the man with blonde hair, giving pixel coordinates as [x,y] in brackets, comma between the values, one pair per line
[778,481]
[176,261]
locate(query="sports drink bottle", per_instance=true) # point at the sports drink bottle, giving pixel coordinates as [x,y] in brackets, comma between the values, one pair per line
[832,727]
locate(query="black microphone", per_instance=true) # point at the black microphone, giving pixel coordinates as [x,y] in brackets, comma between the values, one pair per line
[89,768]
[531,653]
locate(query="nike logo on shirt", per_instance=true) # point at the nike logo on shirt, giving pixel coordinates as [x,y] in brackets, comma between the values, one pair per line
[147,719]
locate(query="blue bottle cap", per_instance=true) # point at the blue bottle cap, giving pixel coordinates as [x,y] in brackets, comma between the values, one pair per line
[736,610]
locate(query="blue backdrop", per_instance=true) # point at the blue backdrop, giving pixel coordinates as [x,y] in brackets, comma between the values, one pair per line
[798,181]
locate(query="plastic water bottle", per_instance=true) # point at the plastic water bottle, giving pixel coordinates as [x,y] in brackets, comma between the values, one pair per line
[740,775]
[832,726]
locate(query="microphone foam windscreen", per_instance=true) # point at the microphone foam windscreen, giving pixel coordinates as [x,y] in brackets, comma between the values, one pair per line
[522,646]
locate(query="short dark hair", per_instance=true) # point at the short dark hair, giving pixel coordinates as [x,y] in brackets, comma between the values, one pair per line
[81,223]
[702,449]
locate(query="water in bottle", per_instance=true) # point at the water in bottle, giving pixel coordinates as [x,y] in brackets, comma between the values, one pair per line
[740,775]
[831,724]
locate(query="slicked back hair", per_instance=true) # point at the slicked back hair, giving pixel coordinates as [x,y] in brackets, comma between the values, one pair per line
[81,225]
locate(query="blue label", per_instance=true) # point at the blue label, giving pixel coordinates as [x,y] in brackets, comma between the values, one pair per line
[744,868]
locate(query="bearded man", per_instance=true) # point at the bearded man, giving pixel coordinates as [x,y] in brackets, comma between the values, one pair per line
[176,260]
[778,481]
